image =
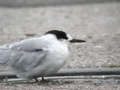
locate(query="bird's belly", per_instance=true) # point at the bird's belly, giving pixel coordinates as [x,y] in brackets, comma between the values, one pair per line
[56,61]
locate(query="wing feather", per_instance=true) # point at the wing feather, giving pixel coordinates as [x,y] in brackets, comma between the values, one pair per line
[25,55]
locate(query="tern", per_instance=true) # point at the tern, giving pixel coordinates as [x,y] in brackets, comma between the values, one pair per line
[43,55]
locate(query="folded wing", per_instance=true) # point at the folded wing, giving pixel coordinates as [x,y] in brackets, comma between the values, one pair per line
[23,56]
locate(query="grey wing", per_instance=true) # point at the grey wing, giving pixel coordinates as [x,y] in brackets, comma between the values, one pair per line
[25,55]
[26,61]
[4,54]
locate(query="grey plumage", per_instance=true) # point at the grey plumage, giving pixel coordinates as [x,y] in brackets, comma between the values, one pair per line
[23,56]
[29,46]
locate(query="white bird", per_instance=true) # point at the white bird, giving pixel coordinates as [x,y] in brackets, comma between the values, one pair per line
[37,56]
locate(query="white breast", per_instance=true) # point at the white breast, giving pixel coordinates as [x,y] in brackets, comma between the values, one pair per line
[58,54]
[59,51]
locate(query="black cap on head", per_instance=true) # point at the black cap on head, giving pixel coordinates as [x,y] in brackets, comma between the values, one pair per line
[58,34]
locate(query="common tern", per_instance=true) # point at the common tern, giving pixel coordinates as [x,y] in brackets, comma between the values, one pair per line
[38,56]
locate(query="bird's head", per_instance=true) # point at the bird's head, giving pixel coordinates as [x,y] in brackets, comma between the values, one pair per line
[63,36]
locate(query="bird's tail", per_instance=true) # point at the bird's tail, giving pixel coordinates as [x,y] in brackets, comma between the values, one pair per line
[4,54]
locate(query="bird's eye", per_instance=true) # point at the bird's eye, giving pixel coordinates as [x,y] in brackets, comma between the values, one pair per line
[37,50]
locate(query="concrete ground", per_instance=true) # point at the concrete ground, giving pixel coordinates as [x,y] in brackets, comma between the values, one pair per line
[98,24]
